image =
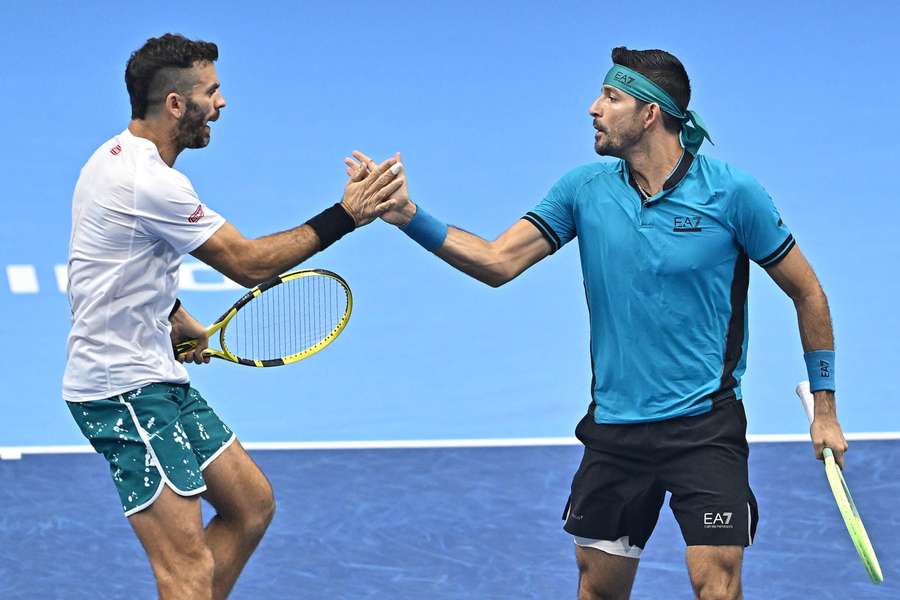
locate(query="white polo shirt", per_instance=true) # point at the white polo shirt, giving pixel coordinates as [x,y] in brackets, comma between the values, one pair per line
[133,217]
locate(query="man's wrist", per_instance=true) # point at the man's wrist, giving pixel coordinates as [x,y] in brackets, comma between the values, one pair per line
[349,212]
[408,212]
[425,230]
[820,369]
[332,224]
[824,405]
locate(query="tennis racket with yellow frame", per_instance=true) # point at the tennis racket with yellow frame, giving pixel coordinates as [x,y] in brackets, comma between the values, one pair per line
[281,321]
[844,500]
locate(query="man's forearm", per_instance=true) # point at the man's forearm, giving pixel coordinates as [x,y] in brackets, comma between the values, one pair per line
[814,320]
[271,255]
[474,256]
[274,254]
[816,333]
[462,250]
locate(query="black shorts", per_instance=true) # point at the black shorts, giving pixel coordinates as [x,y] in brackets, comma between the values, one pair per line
[619,488]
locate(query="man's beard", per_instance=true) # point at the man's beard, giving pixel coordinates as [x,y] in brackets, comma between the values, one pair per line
[619,144]
[191,131]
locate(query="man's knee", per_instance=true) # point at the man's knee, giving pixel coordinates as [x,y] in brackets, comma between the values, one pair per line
[716,572]
[185,572]
[256,512]
[719,590]
[264,511]
[591,589]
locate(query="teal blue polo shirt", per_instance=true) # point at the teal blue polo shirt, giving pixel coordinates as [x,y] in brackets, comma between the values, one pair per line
[666,280]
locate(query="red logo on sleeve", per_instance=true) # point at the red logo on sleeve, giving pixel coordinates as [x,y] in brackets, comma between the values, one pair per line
[115,149]
[196,215]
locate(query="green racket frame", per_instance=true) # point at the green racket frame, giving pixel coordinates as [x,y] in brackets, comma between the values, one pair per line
[842,496]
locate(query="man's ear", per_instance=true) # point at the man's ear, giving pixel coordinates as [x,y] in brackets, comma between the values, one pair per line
[174,104]
[653,112]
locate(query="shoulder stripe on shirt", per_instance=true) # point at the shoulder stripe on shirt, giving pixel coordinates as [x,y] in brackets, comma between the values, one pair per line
[779,253]
[545,229]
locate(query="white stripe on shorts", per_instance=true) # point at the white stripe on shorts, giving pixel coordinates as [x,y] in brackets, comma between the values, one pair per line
[216,454]
[145,437]
[749,526]
[619,547]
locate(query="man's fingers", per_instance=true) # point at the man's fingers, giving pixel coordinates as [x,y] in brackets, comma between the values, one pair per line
[388,190]
[356,170]
[370,164]
[818,447]
[838,451]
[375,171]
[839,459]
[383,175]
[387,205]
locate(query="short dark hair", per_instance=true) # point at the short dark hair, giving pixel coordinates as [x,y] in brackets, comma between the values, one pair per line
[664,70]
[157,68]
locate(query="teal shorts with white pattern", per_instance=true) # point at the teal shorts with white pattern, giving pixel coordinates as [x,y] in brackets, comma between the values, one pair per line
[159,434]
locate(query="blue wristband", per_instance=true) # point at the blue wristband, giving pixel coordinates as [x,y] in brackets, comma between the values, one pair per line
[427,231]
[820,369]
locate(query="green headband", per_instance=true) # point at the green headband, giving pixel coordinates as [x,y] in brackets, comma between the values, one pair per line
[693,130]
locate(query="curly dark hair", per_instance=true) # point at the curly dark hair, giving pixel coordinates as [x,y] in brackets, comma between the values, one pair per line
[159,66]
[664,70]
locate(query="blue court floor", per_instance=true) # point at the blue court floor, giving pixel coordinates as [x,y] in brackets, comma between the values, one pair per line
[446,523]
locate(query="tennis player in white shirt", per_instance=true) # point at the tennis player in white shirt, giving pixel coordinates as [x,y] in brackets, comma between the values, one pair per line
[133,218]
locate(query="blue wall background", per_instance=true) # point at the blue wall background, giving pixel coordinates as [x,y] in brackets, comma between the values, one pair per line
[488,103]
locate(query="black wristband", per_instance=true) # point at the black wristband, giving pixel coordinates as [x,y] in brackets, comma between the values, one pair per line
[175,308]
[332,224]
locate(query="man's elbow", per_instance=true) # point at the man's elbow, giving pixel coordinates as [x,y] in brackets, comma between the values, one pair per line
[498,277]
[251,275]
[248,268]
[813,294]
[248,280]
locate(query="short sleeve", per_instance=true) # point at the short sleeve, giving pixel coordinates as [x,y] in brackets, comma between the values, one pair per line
[759,228]
[554,216]
[169,209]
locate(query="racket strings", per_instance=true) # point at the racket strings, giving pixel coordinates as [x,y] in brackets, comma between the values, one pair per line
[287,319]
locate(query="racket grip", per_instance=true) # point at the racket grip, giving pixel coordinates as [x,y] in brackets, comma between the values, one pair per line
[185,346]
[806,398]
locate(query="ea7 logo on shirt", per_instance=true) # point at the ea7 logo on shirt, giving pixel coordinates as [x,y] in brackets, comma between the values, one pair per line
[687,224]
[115,150]
[717,520]
[196,215]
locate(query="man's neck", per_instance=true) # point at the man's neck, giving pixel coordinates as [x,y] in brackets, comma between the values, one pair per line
[160,135]
[653,161]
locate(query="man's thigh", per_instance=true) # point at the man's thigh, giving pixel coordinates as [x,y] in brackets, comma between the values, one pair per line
[170,529]
[604,575]
[715,570]
[235,485]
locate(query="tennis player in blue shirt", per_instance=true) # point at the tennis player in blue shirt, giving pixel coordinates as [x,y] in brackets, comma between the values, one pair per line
[665,236]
